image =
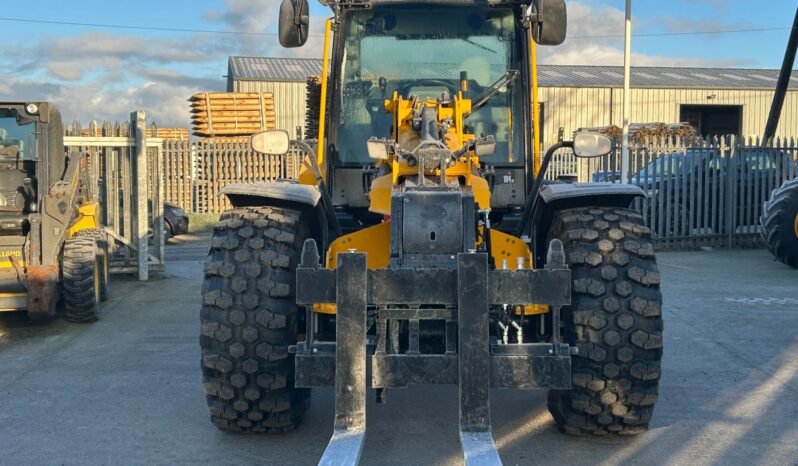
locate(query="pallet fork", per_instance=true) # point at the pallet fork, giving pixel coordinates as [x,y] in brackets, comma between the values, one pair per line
[463,296]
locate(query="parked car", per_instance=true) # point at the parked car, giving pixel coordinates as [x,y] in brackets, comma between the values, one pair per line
[687,190]
[175,220]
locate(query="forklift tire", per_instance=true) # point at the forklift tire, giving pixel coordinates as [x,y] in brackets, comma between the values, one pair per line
[81,280]
[249,319]
[101,239]
[780,223]
[615,321]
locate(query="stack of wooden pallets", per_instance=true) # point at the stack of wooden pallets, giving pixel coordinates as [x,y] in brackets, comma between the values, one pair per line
[229,114]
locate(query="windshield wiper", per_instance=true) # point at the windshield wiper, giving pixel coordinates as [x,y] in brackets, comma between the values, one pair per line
[476,44]
[509,77]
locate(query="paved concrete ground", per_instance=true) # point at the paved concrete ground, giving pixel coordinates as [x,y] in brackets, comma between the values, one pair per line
[126,390]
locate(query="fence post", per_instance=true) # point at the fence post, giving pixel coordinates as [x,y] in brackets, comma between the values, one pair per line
[139,121]
[731,189]
[157,204]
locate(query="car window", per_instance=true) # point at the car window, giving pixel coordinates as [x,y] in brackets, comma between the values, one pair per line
[669,164]
[759,161]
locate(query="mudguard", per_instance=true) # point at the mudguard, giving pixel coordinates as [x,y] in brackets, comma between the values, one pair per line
[622,193]
[265,193]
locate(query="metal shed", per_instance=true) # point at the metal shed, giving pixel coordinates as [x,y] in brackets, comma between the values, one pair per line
[716,100]
[285,78]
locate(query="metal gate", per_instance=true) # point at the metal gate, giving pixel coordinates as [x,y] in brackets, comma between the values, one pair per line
[124,176]
[701,192]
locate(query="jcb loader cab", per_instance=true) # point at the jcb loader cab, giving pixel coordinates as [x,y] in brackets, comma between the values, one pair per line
[51,245]
[420,244]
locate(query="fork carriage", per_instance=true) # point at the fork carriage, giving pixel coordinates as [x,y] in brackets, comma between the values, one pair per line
[373,305]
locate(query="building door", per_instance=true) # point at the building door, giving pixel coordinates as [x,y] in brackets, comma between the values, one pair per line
[713,120]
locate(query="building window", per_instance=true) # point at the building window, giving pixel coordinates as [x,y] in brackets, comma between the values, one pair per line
[713,120]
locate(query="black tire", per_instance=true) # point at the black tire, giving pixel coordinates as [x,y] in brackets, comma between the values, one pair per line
[249,318]
[780,223]
[101,239]
[167,231]
[615,321]
[80,280]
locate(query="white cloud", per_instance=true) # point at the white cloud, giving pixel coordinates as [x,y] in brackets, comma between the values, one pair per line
[67,71]
[165,103]
[589,26]
[105,76]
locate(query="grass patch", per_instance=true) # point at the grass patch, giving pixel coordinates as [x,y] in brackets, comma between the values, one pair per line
[199,223]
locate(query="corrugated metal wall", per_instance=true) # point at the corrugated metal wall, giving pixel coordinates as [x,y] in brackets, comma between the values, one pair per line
[289,101]
[573,108]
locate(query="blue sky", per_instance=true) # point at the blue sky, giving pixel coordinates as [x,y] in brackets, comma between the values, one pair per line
[105,73]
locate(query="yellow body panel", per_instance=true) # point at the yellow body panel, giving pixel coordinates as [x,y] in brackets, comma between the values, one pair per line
[508,251]
[306,175]
[481,190]
[325,74]
[88,218]
[374,241]
[380,195]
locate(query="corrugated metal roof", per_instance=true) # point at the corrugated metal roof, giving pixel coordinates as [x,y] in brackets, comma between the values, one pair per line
[273,69]
[298,69]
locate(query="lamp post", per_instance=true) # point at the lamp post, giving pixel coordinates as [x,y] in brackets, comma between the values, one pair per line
[627,76]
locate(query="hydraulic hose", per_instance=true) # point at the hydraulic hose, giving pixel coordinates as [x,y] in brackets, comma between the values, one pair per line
[532,197]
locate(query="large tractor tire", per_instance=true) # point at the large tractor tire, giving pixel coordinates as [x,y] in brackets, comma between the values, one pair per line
[248,320]
[615,321]
[780,223]
[101,239]
[80,282]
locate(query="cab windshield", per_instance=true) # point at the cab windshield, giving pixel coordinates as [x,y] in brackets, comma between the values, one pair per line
[17,136]
[424,51]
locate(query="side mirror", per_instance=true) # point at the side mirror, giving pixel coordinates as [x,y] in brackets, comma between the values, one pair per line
[294,23]
[273,142]
[589,145]
[551,24]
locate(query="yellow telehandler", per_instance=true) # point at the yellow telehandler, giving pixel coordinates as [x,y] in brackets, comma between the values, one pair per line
[52,248]
[421,245]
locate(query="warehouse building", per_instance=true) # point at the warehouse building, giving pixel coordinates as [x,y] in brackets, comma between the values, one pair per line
[713,100]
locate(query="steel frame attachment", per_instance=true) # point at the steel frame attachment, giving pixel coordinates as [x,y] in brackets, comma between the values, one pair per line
[460,296]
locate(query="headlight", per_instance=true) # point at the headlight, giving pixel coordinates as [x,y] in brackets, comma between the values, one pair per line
[32,109]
